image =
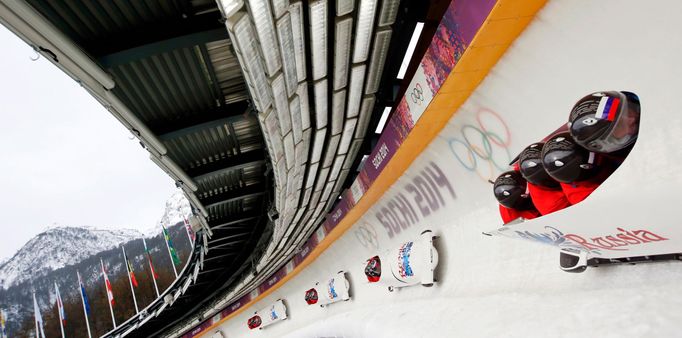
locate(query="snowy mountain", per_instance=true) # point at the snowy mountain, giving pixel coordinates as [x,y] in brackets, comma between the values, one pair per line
[58,247]
[54,256]
[177,207]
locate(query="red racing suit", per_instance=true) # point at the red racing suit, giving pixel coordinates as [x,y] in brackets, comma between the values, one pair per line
[576,192]
[547,200]
[509,215]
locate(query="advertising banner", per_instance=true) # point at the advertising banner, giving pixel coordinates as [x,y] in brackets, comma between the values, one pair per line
[457,28]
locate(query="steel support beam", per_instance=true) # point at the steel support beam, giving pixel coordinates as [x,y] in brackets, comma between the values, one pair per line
[126,52]
[223,246]
[220,256]
[226,114]
[237,166]
[227,162]
[233,195]
[227,225]
[226,238]
[203,272]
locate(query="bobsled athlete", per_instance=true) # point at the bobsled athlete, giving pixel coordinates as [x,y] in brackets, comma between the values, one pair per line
[545,192]
[603,128]
[578,170]
[606,122]
[511,192]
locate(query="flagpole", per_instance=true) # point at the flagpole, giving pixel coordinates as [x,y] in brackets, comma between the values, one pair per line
[151,267]
[60,307]
[170,255]
[113,320]
[38,318]
[85,311]
[132,290]
[35,310]
[188,228]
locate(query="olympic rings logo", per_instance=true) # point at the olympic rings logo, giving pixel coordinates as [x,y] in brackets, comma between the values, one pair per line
[487,142]
[417,94]
[367,236]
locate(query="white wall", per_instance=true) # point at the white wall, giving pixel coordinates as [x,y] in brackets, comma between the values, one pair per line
[490,286]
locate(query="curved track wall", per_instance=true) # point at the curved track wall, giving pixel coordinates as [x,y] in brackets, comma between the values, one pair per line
[491,286]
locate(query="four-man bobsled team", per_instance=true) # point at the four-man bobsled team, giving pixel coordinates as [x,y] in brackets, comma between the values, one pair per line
[567,166]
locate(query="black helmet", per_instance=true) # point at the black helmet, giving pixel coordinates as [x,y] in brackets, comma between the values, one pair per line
[510,191]
[373,269]
[565,161]
[530,166]
[254,322]
[605,122]
[311,296]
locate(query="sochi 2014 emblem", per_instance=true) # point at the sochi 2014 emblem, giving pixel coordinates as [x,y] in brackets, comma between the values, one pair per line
[404,268]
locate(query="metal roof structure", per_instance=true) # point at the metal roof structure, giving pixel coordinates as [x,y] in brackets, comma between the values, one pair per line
[257,109]
[174,70]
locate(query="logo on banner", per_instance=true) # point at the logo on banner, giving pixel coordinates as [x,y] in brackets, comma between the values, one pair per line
[619,241]
[273,313]
[417,94]
[331,290]
[404,268]
[623,240]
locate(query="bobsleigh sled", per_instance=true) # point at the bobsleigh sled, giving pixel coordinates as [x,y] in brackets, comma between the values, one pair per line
[333,290]
[412,263]
[269,315]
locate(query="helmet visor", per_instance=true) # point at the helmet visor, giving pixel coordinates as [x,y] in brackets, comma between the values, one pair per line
[624,128]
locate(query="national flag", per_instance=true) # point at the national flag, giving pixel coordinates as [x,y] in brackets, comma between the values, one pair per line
[607,109]
[40,332]
[60,304]
[190,232]
[3,320]
[130,269]
[110,291]
[149,258]
[174,254]
[84,297]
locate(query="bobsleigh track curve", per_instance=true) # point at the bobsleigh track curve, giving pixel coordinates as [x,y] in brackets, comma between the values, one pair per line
[494,286]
